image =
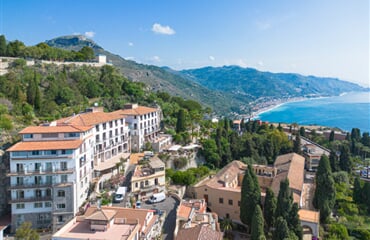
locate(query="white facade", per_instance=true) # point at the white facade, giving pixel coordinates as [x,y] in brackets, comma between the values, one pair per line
[50,174]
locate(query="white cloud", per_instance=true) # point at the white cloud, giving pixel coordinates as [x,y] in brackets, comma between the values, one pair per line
[166,30]
[90,34]
[156,59]
[212,58]
[131,44]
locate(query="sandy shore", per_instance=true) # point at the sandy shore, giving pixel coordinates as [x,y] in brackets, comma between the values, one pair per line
[276,104]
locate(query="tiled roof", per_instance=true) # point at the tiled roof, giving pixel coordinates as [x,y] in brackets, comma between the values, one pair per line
[184,212]
[140,110]
[199,232]
[309,216]
[290,166]
[46,145]
[102,215]
[90,118]
[135,157]
[54,129]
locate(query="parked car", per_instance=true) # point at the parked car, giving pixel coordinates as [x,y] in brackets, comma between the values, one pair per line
[138,204]
[120,194]
[157,197]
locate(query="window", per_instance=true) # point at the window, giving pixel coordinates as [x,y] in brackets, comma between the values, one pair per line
[64,178]
[38,180]
[47,204]
[19,180]
[97,128]
[37,166]
[71,135]
[97,138]
[104,126]
[135,126]
[49,135]
[227,215]
[27,135]
[221,200]
[61,205]
[146,182]
[50,152]
[19,206]
[60,219]
[49,166]
[20,167]
[20,194]
[48,192]
[63,166]
[49,179]
[238,203]
[136,185]
[37,205]
[19,154]
[35,152]
[38,193]
[61,193]
[230,202]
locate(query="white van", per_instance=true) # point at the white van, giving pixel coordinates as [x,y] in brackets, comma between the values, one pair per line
[120,194]
[157,197]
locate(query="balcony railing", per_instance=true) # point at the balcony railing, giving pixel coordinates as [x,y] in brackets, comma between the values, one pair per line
[31,199]
[39,185]
[41,172]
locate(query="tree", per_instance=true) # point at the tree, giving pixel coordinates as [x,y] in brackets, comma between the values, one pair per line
[344,159]
[180,124]
[227,226]
[333,158]
[281,229]
[331,136]
[25,232]
[297,144]
[302,131]
[31,90]
[357,191]
[250,196]
[269,209]
[294,223]
[2,45]
[284,201]
[324,198]
[87,53]
[257,224]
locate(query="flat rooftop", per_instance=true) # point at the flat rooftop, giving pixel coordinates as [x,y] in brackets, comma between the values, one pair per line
[81,230]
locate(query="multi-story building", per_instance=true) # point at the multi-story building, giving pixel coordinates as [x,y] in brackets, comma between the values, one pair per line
[312,153]
[222,191]
[144,124]
[113,223]
[50,173]
[148,177]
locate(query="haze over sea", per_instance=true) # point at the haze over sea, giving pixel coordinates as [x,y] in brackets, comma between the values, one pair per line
[351,110]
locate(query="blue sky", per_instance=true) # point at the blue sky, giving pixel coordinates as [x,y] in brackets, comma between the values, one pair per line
[316,37]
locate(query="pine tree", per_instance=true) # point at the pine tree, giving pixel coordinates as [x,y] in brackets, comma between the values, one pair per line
[2,45]
[269,209]
[297,144]
[281,230]
[285,200]
[257,224]
[324,197]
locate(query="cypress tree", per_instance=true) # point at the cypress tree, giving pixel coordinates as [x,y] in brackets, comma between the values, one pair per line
[333,158]
[281,230]
[284,201]
[2,45]
[180,124]
[31,90]
[302,131]
[344,159]
[269,209]
[257,224]
[294,223]
[324,197]
[357,191]
[250,196]
[331,136]
[37,103]
[297,144]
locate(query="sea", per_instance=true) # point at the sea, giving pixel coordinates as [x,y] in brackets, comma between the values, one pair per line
[347,111]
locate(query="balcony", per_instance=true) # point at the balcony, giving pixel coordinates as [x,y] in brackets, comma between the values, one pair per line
[27,185]
[41,172]
[31,199]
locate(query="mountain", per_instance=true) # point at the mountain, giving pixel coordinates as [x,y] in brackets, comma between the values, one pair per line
[155,78]
[257,84]
[225,89]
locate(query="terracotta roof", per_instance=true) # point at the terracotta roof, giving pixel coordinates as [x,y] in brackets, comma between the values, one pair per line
[290,166]
[309,216]
[135,157]
[90,118]
[184,212]
[232,170]
[237,121]
[140,110]
[199,232]
[105,215]
[45,145]
[54,129]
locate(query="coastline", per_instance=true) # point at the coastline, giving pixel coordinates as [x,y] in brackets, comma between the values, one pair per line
[278,104]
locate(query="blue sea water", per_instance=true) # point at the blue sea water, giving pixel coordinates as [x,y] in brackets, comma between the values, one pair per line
[351,110]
